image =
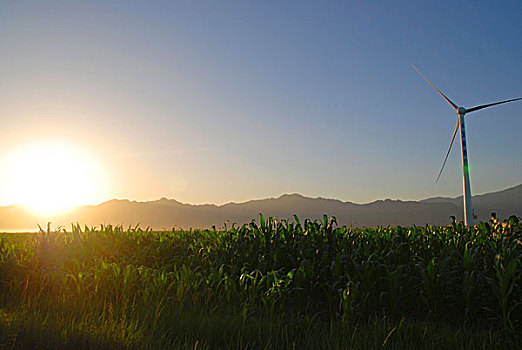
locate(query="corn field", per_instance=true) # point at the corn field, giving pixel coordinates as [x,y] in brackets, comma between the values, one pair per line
[269,284]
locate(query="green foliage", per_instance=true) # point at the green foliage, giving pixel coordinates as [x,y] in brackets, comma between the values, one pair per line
[283,280]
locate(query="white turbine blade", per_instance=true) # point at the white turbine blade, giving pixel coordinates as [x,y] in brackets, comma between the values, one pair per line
[491,104]
[433,86]
[449,149]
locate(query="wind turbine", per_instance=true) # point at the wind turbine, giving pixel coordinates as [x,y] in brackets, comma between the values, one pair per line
[461,112]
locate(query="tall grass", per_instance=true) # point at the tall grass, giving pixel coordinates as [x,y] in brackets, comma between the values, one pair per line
[269,284]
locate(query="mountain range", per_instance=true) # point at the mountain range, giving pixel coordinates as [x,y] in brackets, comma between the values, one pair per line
[169,213]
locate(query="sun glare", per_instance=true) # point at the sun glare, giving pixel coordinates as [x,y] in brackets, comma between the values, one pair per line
[50,178]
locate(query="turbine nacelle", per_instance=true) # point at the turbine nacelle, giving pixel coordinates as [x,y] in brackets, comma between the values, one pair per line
[461,111]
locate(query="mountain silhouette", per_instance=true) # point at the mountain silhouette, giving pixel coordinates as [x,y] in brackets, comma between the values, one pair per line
[169,213]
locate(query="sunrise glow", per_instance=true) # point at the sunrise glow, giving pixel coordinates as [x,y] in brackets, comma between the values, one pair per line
[50,178]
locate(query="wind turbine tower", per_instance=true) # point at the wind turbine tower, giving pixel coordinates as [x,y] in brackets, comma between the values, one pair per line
[461,112]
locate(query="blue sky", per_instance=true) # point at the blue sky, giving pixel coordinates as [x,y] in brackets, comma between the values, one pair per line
[235,100]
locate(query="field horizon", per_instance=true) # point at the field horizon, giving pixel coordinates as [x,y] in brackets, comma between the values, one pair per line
[166,213]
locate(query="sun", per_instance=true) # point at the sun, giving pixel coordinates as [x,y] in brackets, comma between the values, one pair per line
[50,178]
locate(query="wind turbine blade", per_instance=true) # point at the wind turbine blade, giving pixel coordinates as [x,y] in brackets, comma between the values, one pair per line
[449,149]
[491,104]
[433,86]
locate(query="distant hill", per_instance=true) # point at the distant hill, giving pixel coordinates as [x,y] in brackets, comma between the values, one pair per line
[169,213]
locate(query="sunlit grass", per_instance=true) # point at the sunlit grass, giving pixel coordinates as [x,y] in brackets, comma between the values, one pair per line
[267,285]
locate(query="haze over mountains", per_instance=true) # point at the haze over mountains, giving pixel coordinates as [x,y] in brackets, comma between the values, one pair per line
[169,213]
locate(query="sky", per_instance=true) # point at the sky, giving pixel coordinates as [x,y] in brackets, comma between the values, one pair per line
[227,101]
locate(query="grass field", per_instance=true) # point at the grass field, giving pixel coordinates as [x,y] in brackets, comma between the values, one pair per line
[267,285]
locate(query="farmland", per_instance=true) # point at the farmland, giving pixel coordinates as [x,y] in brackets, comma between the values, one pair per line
[267,285]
